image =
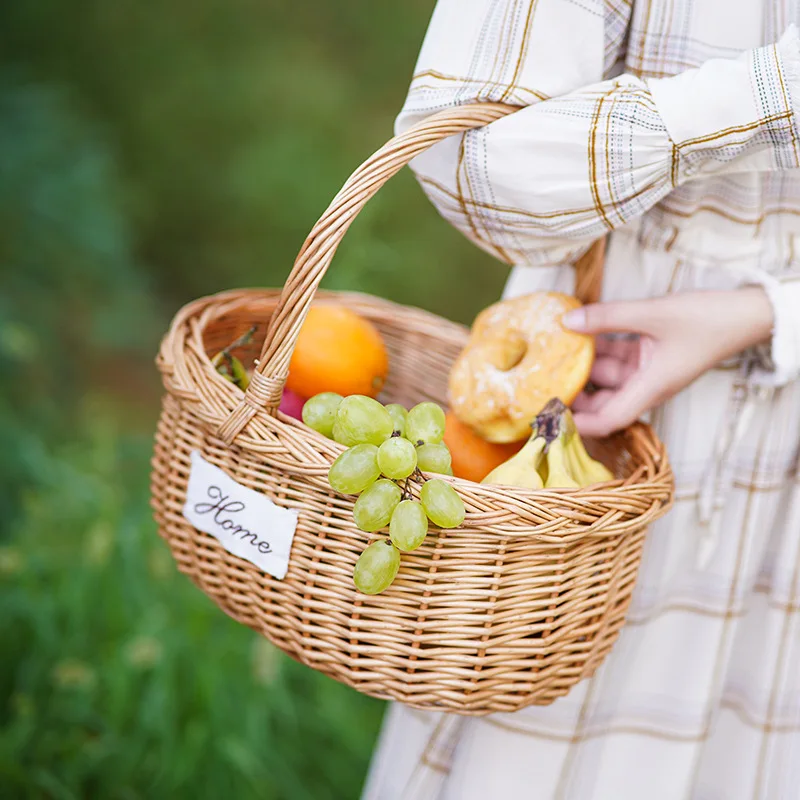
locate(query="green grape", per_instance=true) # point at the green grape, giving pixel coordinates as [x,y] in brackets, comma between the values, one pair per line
[361,420]
[434,458]
[374,507]
[339,435]
[319,412]
[376,567]
[409,525]
[355,469]
[398,415]
[397,458]
[425,424]
[442,504]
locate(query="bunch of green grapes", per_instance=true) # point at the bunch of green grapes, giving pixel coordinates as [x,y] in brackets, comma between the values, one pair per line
[389,449]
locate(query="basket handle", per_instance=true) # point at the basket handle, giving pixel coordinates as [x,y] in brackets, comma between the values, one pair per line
[269,377]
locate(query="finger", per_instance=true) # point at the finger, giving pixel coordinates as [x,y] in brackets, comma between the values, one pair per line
[591,403]
[604,345]
[609,372]
[583,402]
[646,350]
[633,316]
[623,408]
[623,349]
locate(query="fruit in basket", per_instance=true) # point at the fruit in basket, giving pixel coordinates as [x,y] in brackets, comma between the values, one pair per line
[338,351]
[375,505]
[319,412]
[376,567]
[558,471]
[292,404]
[441,503]
[409,525]
[397,458]
[434,458]
[425,424]
[522,469]
[361,419]
[584,469]
[377,447]
[554,457]
[588,470]
[517,358]
[399,416]
[231,367]
[355,469]
[473,458]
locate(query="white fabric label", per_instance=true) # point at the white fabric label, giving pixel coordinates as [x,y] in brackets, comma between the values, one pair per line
[246,523]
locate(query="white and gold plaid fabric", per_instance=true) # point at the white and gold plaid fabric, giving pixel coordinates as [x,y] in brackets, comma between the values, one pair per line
[673,126]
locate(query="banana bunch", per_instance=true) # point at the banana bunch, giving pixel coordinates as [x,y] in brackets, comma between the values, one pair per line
[231,367]
[554,456]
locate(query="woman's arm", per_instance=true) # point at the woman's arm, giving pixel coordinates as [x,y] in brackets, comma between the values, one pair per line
[537,187]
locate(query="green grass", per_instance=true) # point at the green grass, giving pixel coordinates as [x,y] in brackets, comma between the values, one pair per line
[151,153]
[119,679]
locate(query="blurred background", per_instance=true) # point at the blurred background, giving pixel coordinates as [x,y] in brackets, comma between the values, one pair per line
[151,153]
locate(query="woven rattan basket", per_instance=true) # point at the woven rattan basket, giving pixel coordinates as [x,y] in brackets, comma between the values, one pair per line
[512,609]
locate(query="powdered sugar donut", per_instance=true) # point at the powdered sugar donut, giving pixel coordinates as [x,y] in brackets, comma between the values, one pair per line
[518,357]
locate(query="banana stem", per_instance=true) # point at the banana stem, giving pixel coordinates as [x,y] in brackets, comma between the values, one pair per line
[549,421]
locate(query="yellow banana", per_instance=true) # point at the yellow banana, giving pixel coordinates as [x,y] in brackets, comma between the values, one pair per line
[586,470]
[521,469]
[553,458]
[558,470]
[584,467]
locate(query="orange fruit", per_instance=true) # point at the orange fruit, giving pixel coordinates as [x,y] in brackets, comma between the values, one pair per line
[338,351]
[473,457]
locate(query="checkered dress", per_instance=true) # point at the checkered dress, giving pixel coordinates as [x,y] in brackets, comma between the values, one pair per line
[672,126]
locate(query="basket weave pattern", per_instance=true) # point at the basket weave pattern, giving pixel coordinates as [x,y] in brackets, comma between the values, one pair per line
[512,609]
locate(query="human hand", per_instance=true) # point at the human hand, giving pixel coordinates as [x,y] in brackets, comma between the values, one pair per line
[675,339]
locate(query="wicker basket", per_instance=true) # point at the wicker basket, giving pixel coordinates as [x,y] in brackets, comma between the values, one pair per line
[512,609]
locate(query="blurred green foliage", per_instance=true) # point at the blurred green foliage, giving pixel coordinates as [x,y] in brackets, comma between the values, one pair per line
[121,681]
[151,153]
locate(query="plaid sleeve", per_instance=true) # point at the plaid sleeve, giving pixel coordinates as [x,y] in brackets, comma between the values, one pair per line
[520,52]
[538,186]
[785,347]
[733,115]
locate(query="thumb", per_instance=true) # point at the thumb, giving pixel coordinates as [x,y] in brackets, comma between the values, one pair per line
[632,316]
